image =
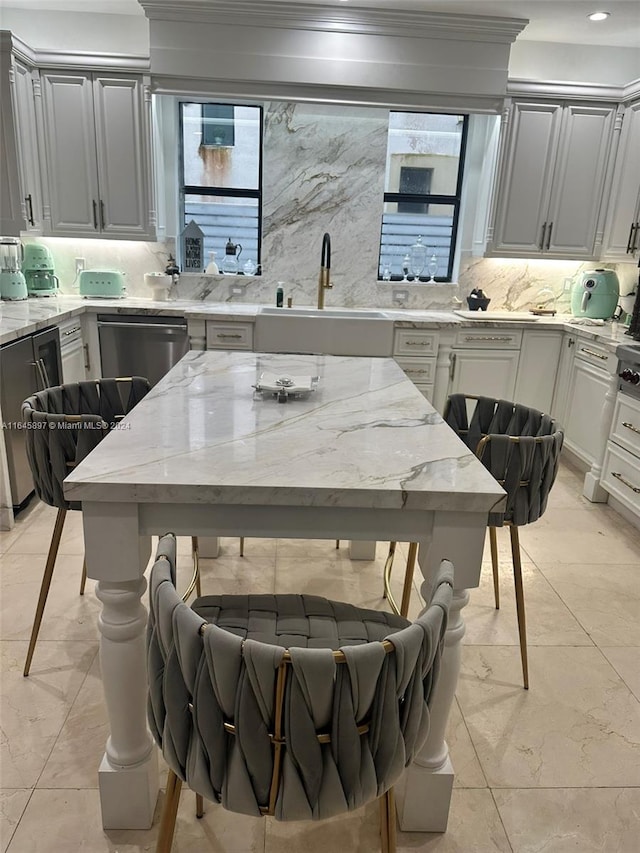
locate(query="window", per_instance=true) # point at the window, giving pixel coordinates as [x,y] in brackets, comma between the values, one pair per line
[221,176]
[423,183]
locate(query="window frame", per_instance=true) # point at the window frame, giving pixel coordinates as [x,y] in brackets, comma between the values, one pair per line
[229,192]
[432,198]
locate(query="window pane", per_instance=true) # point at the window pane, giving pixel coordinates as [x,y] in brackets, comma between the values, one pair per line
[424,150]
[221,219]
[400,230]
[221,146]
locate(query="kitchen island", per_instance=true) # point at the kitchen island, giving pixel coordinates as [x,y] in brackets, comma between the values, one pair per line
[363,456]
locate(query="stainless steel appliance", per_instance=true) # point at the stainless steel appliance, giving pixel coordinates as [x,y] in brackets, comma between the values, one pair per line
[629,369]
[26,365]
[134,345]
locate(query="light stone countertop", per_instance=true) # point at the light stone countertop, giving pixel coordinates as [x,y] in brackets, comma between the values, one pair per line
[364,438]
[25,317]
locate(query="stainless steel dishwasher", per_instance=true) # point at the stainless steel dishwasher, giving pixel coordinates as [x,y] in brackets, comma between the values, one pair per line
[141,345]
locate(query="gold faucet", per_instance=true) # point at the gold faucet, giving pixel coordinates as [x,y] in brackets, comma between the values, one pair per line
[325,267]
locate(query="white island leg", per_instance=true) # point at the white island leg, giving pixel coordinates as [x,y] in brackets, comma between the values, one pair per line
[117,557]
[424,796]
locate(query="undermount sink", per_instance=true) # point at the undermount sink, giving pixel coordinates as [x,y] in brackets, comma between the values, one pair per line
[325,312]
[330,331]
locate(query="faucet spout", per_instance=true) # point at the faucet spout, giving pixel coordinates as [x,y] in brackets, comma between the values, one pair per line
[325,265]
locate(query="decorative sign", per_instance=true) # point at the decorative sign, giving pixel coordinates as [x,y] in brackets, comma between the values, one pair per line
[192,248]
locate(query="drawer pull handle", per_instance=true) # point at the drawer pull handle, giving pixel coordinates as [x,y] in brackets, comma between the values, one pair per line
[418,343]
[412,372]
[235,337]
[625,482]
[498,338]
[631,427]
[71,331]
[544,228]
[594,354]
[630,240]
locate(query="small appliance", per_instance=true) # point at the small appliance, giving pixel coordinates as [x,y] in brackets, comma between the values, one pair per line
[595,294]
[12,283]
[38,269]
[103,284]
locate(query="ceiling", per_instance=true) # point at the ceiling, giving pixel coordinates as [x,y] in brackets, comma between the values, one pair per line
[549,20]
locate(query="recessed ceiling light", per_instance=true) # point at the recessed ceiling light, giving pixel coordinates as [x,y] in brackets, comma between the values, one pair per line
[599,16]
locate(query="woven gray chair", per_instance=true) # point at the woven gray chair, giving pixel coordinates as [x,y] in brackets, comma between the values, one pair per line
[64,424]
[520,447]
[287,705]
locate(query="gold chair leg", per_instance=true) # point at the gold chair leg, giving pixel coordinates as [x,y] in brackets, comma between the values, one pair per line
[196,552]
[199,806]
[242,546]
[169,813]
[83,579]
[522,623]
[388,822]
[388,567]
[493,541]
[408,578]
[46,583]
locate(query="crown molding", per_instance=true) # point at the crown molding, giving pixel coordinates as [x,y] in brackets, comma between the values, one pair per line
[564,89]
[631,91]
[306,16]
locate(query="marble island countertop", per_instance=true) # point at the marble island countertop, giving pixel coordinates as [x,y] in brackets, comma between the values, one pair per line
[23,318]
[365,437]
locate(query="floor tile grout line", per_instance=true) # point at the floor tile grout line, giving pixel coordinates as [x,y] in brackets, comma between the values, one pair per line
[19,821]
[71,704]
[498,812]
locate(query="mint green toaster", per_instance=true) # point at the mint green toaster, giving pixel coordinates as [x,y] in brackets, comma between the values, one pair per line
[103,284]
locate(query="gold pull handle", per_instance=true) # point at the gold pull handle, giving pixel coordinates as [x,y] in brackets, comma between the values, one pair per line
[411,372]
[631,427]
[494,338]
[418,343]
[625,482]
[594,354]
[235,337]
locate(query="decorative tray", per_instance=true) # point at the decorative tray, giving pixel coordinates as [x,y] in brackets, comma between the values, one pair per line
[284,386]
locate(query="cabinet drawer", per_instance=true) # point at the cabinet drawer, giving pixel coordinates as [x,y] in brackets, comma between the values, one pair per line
[621,476]
[488,339]
[421,371]
[415,342]
[230,336]
[625,427]
[597,355]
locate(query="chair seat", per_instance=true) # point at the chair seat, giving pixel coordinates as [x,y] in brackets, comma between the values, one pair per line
[297,621]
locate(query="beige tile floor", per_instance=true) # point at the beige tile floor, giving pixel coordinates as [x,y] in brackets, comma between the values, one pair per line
[551,770]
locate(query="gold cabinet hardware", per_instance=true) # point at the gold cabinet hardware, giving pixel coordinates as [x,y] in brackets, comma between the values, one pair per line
[418,343]
[625,482]
[631,427]
[594,354]
[234,336]
[494,338]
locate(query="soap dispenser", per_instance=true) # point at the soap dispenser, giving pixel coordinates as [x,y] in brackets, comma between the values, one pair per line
[279,295]
[212,266]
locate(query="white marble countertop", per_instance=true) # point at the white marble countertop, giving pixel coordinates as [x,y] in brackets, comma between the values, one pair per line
[365,437]
[23,318]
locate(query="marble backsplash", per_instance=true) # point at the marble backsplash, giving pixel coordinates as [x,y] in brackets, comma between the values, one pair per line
[512,284]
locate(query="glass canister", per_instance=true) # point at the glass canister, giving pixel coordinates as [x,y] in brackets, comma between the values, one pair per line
[418,258]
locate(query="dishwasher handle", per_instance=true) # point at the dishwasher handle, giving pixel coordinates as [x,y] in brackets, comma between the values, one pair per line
[124,325]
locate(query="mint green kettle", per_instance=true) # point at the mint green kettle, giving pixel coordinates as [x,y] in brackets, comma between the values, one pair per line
[595,294]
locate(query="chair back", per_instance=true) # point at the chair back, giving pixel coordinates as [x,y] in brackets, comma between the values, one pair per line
[268,727]
[518,445]
[66,422]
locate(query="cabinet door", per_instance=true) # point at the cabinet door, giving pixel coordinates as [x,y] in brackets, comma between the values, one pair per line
[537,369]
[71,154]
[28,155]
[563,377]
[587,390]
[622,228]
[578,180]
[490,373]
[11,221]
[122,156]
[525,183]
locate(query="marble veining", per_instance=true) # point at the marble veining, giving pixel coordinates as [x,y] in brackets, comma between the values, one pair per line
[365,438]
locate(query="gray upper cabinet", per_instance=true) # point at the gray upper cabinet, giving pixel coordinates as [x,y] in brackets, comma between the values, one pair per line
[622,229]
[551,180]
[98,156]
[26,91]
